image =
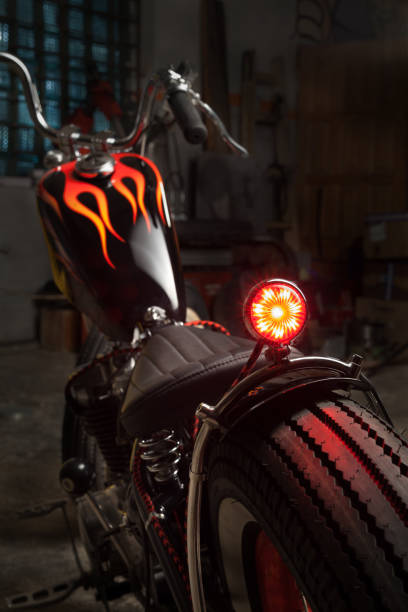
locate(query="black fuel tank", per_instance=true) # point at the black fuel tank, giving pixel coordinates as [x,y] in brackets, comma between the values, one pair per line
[112,243]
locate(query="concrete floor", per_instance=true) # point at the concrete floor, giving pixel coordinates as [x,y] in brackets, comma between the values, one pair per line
[36,552]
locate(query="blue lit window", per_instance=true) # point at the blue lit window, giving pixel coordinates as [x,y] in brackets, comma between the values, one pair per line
[26,55]
[3,106]
[25,38]
[75,21]
[102,69]
[100,53]
[4,36]
[76,48]
[53,113]
[77,76]
[51,43]
[4,77]
[52,88]
[25,140]
[52,67]
[94,31]
[50,16]
[100,5]
[4,138]
[77,92]
[72,106]
[99,28]
[76,63]
[25,11]
[23,116]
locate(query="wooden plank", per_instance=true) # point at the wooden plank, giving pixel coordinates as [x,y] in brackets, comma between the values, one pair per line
[349,179]
[352,140]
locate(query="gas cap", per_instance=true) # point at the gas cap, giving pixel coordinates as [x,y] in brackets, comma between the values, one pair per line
[95,165]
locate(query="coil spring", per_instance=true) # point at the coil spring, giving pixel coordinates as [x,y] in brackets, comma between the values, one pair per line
[162,454]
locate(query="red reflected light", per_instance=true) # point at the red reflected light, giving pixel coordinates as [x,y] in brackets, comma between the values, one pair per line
[276,311]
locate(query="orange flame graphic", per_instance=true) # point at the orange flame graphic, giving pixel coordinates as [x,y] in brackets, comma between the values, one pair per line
[159,187]
[74,187]
[47,197]
[121,172]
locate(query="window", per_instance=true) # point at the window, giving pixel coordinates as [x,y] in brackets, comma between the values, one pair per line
[62,42]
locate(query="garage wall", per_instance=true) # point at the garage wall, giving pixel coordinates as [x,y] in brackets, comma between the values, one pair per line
[24,266]
[171,31]
[353,141]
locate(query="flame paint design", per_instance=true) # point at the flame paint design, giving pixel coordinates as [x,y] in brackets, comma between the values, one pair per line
[74,187]
[121,172]
[47,197]
[159,187]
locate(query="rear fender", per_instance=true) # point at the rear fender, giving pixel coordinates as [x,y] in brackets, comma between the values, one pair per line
[270,390]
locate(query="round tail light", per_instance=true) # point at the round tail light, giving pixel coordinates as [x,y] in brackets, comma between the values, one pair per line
[275,311]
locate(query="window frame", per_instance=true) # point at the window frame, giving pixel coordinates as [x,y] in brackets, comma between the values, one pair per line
[122,43]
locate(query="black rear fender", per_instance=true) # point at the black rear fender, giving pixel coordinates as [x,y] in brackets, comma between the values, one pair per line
[267,395]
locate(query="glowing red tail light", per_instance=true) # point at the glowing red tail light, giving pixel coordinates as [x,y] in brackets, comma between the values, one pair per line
[275,311]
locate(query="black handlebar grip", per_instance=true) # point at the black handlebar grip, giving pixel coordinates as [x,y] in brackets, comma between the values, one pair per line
[188,117]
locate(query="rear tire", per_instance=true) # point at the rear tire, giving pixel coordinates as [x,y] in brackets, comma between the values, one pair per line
[329,489]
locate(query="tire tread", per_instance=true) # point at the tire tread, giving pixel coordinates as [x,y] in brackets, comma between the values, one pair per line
[334,499]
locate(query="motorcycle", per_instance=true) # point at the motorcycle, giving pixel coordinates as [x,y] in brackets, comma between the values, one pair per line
[207,472]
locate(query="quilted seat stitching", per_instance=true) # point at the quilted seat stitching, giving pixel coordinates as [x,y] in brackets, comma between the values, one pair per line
[197,333]
[162,337]
[212,353]
[166,388]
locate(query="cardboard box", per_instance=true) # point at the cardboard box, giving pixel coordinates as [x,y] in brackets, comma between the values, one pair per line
[60,329]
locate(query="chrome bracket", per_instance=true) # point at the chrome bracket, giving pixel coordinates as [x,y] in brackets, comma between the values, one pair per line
[67,138]
[102,142]
[154,515]
[356,365]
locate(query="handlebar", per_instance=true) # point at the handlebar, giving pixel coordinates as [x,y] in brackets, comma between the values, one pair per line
[31,95]
[187,117]
[183,101]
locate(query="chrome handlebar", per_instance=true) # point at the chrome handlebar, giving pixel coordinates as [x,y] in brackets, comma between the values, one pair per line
[69,138]
[232,144]
[31,95]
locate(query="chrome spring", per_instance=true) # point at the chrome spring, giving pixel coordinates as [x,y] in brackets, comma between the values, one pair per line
[162,454]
